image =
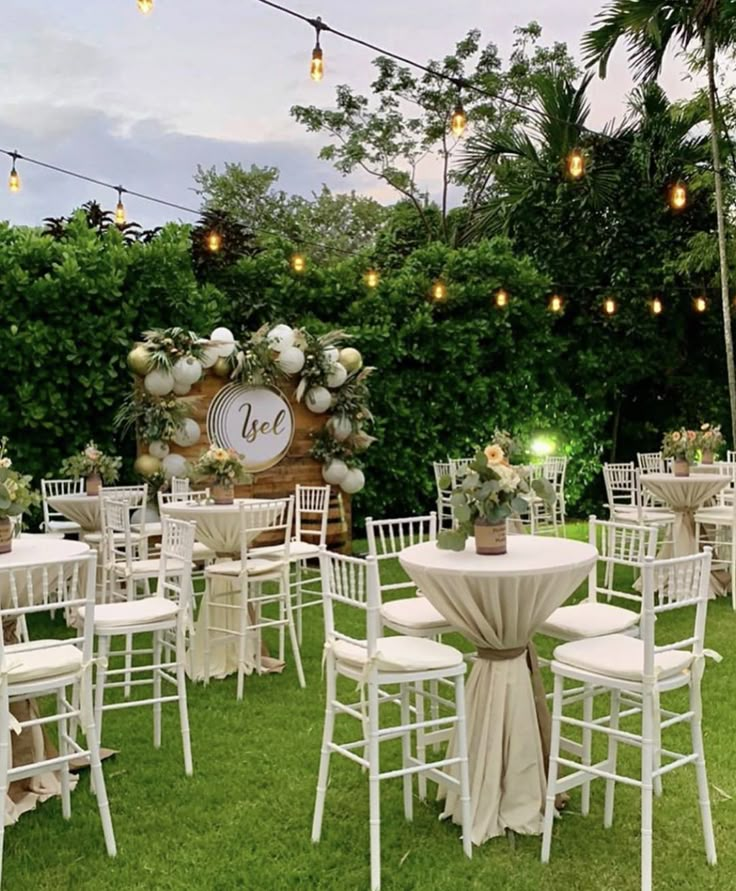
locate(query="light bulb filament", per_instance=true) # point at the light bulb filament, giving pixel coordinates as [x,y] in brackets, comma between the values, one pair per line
[459,120]
[576,164]
[555,303]
[678,196]
[145,6]
[609,306]
[298,262]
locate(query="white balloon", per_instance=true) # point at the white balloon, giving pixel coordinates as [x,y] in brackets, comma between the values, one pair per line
[337,376]
[174,465]
[340,427]
[353,481]
[209,357]
[187,371]
[159,449]
[332,354]
[159,383]
[188,433]
[224,342]
[334,472]
[281,337]
[182,389]
[291,360]
[318,400]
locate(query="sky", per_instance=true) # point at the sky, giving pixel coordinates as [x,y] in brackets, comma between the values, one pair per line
[142,100]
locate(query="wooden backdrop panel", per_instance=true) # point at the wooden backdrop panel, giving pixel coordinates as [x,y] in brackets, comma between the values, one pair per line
[297,467]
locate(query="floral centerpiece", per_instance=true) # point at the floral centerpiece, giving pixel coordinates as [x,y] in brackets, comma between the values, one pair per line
[680,445]
[709,440]
[225,468]
[489,491]
[16,495]
[94,465]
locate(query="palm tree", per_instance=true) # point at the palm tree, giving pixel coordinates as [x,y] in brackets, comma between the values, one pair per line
[650,27]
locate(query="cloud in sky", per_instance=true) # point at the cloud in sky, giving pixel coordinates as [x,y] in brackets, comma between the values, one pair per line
[142,101]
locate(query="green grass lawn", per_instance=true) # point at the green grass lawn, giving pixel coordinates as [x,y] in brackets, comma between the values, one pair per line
[243,820]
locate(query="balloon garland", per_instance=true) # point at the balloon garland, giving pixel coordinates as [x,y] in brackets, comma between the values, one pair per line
[328,377]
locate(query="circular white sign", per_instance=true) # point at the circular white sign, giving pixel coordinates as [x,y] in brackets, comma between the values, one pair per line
[255,421]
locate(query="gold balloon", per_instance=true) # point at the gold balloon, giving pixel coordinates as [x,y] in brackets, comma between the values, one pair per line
[147,465]
[222,368]
[139,360]
[351,359]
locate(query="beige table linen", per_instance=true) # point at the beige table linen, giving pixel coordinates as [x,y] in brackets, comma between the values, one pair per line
[684,495]
[499,603]
[218,527]
[32,744]
[81,509]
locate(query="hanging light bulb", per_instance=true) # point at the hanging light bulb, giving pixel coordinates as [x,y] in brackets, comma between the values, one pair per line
[555,303]
[700,304]
[120,209]
[576,164]
[214,241]
[298,262]
[678,196]
[459,120]
[609,306]
[145,6]
[502,299]
[14,179]
[657,306]
[439,291]
[371,278]
[317,66]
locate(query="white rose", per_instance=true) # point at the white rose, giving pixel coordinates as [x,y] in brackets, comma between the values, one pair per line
[6,462]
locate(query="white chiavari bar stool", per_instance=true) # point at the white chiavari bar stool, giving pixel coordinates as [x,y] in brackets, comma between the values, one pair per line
[53,520]
[626,502]
[715,526]
[350,583]
[202,555]
[50,668]
[650,462]
[166,615]
[646,670]
[244,591]
[444,482]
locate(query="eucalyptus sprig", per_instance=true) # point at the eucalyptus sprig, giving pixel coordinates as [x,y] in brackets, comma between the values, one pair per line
[254,363]
[152,417]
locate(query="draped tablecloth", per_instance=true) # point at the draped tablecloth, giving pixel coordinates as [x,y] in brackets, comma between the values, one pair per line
[81,509]
[32,744]
[499,603]
[684,495]
[218,527]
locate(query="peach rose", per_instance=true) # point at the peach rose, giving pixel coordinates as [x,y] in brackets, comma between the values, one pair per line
[691,435]
[494,454]
[676,437]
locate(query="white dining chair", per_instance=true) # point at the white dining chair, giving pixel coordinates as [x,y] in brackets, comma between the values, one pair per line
[349,584]
[646,670]
[53,520]
[715,526]
[60,670]
[625,501]
[650,462]
[166,616]
[443,480]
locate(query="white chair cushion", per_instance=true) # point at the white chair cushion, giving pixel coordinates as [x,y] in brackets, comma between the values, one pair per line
[95,538]
[413,612]
[255,566]
[147,610]
[648,515]
[148,567]
[154,528]
[401,653]
[723,516]
[200,551]
[63,526]
[297,550]
[619,656]
[588,620]
[26,663]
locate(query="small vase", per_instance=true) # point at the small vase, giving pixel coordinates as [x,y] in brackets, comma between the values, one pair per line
[93,484]
[490,538]
[6,535]
[223,493]
[681,467]
[706,456]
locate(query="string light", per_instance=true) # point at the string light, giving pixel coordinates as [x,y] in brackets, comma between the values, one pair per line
[214,241]
[439,291]
[502,299]
[700,304]
[371,278]
[555,303]
[609,306]
[317,67]
[14,179]
[459,120]
[145,6]
[298,262]
[678,196]
[120,209]
[575,164]
[657,306]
